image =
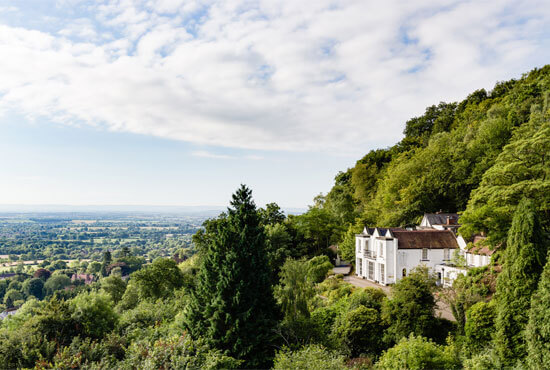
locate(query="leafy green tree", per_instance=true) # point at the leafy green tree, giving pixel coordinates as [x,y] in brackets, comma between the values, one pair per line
[520,169]
[538,328]
[524,260]
[318,267]
[114,286]
[359,331]
[11,297]
[279,246]
[309,357]
[56,282]
[34,287]
[319,227]
[159,280]
[295,290]
[411,307]
[55,322]
[416,352]
[347,246]
[480,325]
[94,267]
[271,214]
[233,306]
[94,312]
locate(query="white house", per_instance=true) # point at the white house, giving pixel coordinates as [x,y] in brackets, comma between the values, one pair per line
[385,255]
[479,255]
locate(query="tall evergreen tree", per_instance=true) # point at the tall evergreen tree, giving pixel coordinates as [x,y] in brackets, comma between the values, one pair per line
[538,328]
[523,264]
[233,307]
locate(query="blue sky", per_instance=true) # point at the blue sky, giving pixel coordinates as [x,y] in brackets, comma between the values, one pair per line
[174,102]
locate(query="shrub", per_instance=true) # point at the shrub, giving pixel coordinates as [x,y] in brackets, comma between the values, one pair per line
[309,357]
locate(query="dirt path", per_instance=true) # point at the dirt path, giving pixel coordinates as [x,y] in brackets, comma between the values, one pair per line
[442,309]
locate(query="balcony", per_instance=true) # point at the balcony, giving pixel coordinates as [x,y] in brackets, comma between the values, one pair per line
[369,254]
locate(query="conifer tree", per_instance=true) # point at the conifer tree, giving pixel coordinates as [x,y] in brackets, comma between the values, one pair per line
[538,328]
[233,307]
[523,264]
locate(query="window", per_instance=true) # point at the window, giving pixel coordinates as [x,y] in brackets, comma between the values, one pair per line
[381,246]
[360,266]
[446,254]
[371,270]
[424,254]
[382,273]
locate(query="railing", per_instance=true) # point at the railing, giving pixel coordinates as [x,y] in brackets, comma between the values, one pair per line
[369,254]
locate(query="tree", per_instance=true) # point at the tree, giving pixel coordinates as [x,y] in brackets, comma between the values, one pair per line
[480,325]
[94,312]
[159,280]
[34,287]
[114,286]
[359,331]
[11,297]
[107,259]
[520,169]
[232,306]
[271,215]
[295,290]
[538,328]
[411,307]
[56,282]
[416,352]
[524,260]
[278,246]
[42,274]
[318,267]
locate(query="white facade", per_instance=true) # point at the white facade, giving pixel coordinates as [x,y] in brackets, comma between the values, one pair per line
[447,274]
[380,259]
[477,260]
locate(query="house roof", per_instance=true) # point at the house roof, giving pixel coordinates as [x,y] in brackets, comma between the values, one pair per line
[431,239]
[441,218]
[480,248]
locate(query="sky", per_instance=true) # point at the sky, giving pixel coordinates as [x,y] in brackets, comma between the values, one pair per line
[175,102]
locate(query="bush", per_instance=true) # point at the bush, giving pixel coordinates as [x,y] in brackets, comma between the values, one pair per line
[480,324]
[309,357]
[417,353]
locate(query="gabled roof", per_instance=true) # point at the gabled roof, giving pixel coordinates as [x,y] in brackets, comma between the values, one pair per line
[481,250]
[431,239]
[479,247]
[441,218]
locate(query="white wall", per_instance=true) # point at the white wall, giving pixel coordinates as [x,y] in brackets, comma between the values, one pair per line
[392,258]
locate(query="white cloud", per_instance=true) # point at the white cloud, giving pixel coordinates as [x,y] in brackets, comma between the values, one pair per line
[266,74]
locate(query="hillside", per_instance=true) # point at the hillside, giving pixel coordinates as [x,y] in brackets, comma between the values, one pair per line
[477,157]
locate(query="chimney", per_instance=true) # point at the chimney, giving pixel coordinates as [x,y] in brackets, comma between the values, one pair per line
[448,220]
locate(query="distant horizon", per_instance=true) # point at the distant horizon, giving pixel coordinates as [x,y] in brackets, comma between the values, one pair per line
[63,208]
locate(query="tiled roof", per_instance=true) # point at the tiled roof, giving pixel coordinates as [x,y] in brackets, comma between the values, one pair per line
[432,239]
[441,218]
